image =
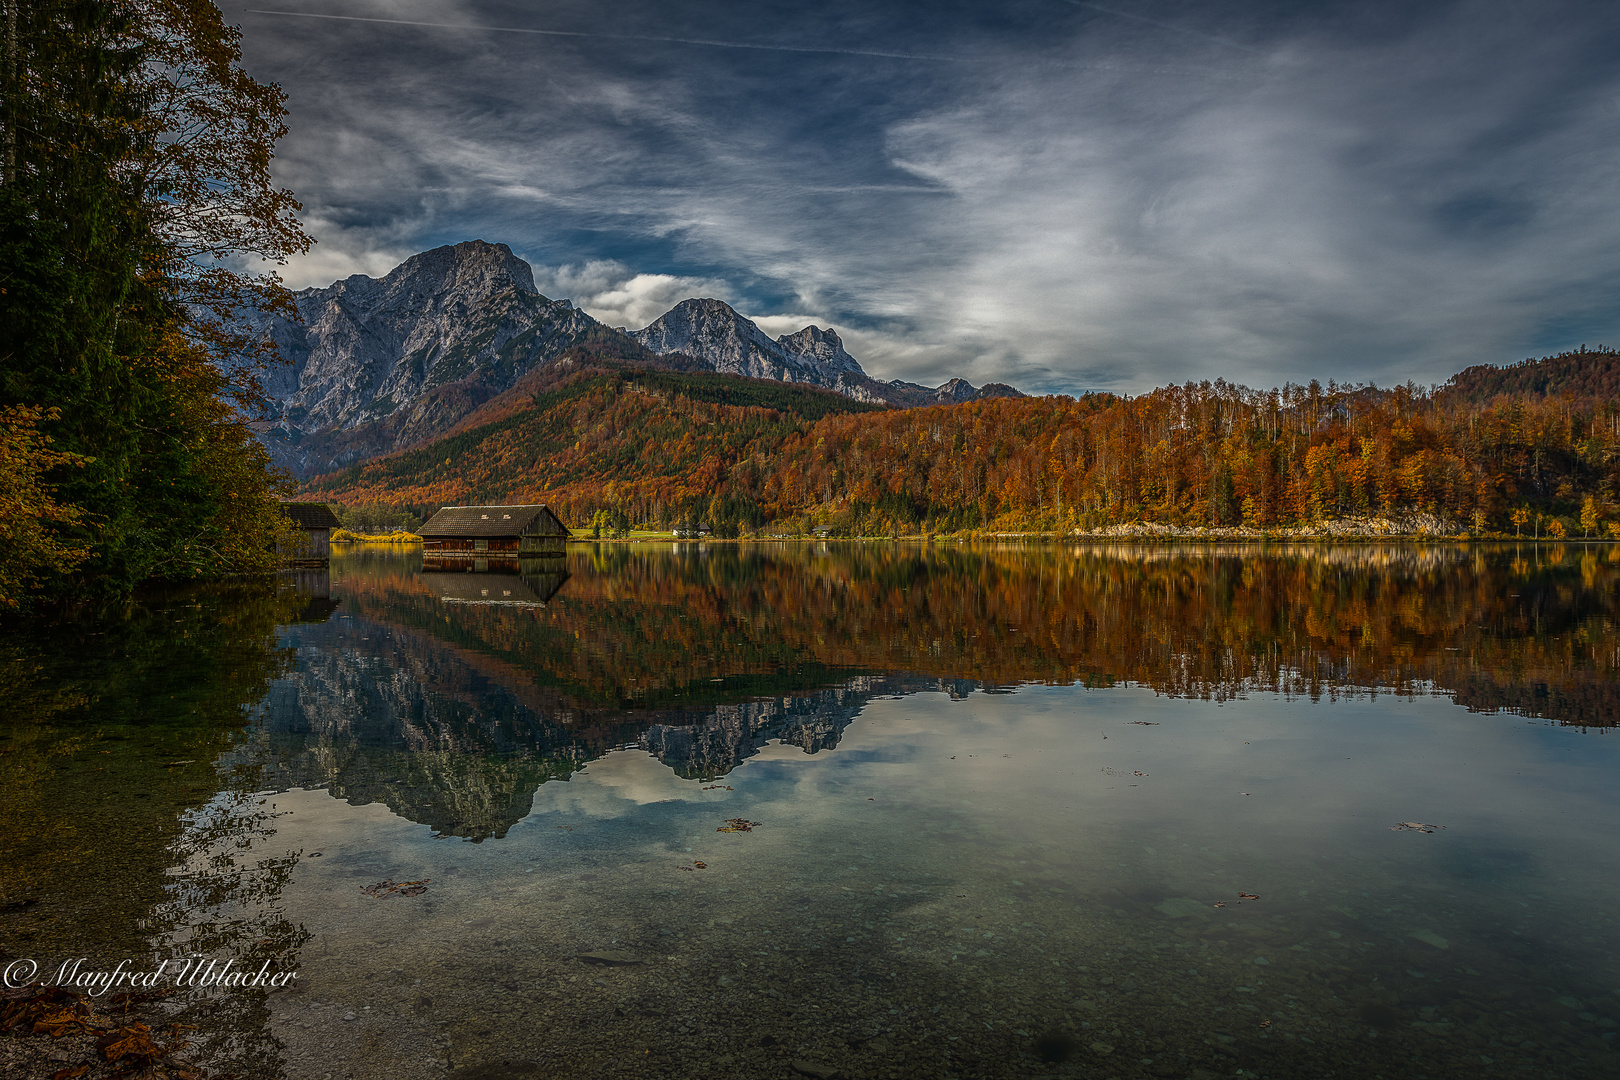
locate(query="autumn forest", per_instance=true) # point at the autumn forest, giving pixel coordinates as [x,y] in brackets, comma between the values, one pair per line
[1531,451]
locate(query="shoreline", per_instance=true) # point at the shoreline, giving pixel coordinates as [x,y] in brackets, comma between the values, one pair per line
[1135,534]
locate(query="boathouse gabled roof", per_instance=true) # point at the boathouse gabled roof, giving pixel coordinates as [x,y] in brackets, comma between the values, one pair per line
[310,515]
[453,522]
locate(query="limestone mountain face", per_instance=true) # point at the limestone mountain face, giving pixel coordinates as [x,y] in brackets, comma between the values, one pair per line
[910,395]
[713,331]
[959,390]
[379,364]
[408,355]
[821,347]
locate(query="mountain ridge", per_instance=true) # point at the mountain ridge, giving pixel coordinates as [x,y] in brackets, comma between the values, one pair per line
[381,364]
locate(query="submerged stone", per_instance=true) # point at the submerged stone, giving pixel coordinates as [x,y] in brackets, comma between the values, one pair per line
[1181,907]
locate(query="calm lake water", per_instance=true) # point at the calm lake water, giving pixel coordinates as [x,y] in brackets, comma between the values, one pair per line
[780,810]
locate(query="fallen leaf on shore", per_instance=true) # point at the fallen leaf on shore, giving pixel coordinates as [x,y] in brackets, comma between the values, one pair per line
[131,1047]
[43,1011]
[133,1041]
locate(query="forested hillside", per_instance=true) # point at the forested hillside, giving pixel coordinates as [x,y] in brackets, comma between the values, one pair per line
[1581,373]
[653,450]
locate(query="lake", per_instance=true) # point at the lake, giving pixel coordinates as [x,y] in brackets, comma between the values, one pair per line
[868,810]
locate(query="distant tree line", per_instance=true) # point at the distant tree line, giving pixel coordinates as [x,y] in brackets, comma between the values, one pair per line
[134,179]
[1534,462]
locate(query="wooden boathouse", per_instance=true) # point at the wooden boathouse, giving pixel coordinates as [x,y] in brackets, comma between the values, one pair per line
[479,532]
[310,544]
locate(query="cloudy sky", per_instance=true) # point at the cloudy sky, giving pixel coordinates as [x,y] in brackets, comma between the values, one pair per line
[1057,194]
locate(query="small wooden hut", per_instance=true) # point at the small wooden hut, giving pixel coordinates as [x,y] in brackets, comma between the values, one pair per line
[311,544]
[479,532]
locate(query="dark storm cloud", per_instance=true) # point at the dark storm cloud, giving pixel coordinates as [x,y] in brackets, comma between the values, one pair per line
[1057,194]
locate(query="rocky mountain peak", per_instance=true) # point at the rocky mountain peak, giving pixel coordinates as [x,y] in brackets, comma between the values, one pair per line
[397,359]
[369,349]
[821,346]
[703,324]
[471,267]
[451,279]
[712,330]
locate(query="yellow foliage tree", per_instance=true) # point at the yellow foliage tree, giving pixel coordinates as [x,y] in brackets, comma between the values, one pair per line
[29,513]
[1591,514]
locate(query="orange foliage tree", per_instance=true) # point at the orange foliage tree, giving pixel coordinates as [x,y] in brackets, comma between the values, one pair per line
[1196,455]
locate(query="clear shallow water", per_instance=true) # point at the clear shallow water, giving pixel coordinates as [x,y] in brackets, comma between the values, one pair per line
[999,797]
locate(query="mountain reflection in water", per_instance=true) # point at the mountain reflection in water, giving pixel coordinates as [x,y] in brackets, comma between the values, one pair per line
[944,883]
[450,696]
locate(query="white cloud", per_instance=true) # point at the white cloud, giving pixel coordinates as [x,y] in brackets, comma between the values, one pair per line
[612,293]
[339,253]
[777,325]
[1371,194]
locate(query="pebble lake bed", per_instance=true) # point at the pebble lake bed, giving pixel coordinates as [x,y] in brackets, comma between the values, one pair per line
[892,813]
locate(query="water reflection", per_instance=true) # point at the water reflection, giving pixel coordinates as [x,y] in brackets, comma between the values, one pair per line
[496,581]
[112,811]
[1532,631]
[1002,790]
[451,696]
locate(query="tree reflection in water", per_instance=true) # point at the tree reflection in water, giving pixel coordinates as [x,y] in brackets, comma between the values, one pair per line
[138,747]
[1531,629]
